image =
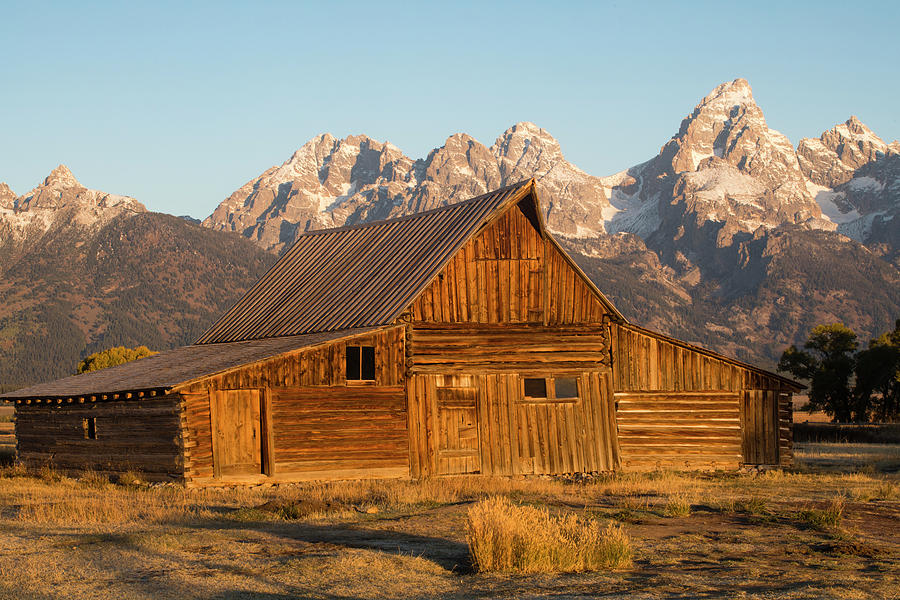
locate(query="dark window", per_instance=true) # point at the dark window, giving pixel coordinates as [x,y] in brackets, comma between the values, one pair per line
[367,369]
[360,363]
[535,388]
[90,428]
[353,371]
[566,387]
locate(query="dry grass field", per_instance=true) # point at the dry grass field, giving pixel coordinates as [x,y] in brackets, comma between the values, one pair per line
[829,529]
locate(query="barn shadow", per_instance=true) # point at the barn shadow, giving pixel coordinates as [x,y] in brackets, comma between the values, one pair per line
[448,554]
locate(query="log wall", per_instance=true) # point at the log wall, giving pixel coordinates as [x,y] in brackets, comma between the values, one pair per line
[682,407]
[134,435]
[329,432]
[276,379]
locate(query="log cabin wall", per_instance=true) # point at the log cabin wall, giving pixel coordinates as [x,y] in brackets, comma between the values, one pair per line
[683,408]
[314,424]
[107,437]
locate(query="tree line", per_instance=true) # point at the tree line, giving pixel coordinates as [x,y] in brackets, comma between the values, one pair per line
[845,383]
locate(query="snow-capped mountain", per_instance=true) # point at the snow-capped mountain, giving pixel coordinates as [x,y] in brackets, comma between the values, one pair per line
[59,199]
[331,182]
[728,236]
[855,177]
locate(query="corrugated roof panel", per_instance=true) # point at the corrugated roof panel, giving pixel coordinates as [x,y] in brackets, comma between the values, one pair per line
[172,367]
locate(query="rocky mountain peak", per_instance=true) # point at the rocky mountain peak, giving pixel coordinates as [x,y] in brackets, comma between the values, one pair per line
[61,177]
[7,197]
[60,199]
[832,158]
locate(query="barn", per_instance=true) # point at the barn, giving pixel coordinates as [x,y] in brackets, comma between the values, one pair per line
[462,340]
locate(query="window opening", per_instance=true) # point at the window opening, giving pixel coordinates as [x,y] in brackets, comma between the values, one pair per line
[535,388]
[360,363]
[550,389]
[89,425]
[566,387]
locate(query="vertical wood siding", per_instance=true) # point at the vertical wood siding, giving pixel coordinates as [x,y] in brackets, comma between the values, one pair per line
[508,274]
[514,435]
[142,435]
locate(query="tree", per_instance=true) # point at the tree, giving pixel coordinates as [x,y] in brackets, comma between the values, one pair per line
[828,363]
[112,357]
[878,376]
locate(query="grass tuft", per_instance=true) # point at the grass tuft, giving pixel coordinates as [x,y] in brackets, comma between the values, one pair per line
[504,537]
[678,505]
[829,518]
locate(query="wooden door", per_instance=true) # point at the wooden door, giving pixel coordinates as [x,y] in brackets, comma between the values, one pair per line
[457,428]
[237,442]
[759,424]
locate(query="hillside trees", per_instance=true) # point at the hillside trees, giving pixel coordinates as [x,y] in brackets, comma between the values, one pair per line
[843,383]
[112,357]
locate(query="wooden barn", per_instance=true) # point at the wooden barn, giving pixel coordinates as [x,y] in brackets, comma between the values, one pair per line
[458,340]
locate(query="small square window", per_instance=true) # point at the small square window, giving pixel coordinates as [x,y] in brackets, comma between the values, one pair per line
[89,425]
[360,363]
[566,387]
[535,388]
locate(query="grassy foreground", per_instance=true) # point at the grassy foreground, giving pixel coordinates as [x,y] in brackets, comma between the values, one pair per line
[829,529]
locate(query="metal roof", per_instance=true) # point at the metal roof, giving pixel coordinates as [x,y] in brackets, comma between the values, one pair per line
[358,276]
[170,368]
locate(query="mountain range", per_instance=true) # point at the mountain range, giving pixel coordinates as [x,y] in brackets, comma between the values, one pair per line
[729,236]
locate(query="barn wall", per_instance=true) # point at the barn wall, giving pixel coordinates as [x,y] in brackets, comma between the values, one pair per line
[508,274]
[288,384]
[132,435]
[679,407]
[340,431]
[468,412]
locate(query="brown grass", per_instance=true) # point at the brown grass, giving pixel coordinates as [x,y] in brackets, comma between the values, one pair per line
[505,537]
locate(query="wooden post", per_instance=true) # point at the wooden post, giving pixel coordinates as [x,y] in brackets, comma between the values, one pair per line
[266,428]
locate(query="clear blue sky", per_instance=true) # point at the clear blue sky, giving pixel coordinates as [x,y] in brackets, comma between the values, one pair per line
[179,105]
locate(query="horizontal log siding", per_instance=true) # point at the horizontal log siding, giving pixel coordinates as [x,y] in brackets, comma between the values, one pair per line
[785,430]
[679,429]
[443,349]
[322,430]
[133,435]
[320,366]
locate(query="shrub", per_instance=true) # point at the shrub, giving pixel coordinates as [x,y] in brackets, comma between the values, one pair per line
[522,539]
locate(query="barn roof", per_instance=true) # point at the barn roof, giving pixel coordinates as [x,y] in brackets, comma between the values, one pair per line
[172,367]
[357,276]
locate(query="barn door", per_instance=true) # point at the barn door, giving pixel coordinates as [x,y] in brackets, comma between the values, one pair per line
[759,423]
[457,429]
[237,443]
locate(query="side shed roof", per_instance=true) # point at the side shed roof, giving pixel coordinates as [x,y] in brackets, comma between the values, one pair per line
[172,367]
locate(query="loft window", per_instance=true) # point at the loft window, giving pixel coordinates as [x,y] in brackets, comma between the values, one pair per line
[360,363]
[550,389]
[89,425]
